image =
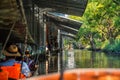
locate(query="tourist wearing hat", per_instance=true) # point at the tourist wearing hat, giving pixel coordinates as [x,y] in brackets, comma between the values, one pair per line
[11,52]
[30,62]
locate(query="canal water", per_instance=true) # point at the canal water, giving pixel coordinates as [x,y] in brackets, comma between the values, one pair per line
[81,59]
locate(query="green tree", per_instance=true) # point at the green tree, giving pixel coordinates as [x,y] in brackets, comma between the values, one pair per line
[101,23]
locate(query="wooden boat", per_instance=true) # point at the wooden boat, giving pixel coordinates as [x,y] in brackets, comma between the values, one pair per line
[13,26]
[82,74]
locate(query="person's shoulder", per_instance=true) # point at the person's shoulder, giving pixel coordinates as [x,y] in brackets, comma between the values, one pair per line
[7,63]
[24,64]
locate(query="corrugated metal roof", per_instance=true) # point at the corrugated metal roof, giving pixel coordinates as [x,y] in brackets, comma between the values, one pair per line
[67,29]
[63,21]
[64,24]
[11,12]
[68,35]
[11,15]
[73,7]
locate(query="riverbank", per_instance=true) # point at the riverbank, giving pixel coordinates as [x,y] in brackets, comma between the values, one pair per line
[102,50]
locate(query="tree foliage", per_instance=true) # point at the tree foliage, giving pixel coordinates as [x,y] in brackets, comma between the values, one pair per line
[101,23]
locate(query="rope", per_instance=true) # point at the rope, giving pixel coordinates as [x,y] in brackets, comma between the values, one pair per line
[26,37]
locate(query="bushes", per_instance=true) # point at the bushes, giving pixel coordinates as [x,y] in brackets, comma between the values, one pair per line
[113,47]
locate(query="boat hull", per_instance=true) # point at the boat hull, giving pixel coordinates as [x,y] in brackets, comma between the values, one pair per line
[82,74]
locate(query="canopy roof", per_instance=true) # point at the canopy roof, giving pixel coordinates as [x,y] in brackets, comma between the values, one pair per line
[12,15]
[67,29]
[64,24]
[73,7]
[12,22]
[70,7]
[68,34]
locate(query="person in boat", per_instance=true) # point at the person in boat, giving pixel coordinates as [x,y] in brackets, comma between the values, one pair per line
[30,62]
[14,68]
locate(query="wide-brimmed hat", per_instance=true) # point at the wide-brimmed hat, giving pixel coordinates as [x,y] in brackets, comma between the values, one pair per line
[11,50]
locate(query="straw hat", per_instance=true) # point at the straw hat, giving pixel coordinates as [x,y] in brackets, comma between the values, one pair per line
[11,50]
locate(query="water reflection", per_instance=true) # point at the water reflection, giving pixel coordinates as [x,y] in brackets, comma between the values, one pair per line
[89,59]
[70,62]
[80,59]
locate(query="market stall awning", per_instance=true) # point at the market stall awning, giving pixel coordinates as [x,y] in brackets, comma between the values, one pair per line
[72,7]
[12,22]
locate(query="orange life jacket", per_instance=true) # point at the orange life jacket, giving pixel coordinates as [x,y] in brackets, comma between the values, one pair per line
[14,71]
[3,75]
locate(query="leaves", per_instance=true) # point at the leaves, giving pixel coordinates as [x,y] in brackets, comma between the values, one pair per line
[101,20]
